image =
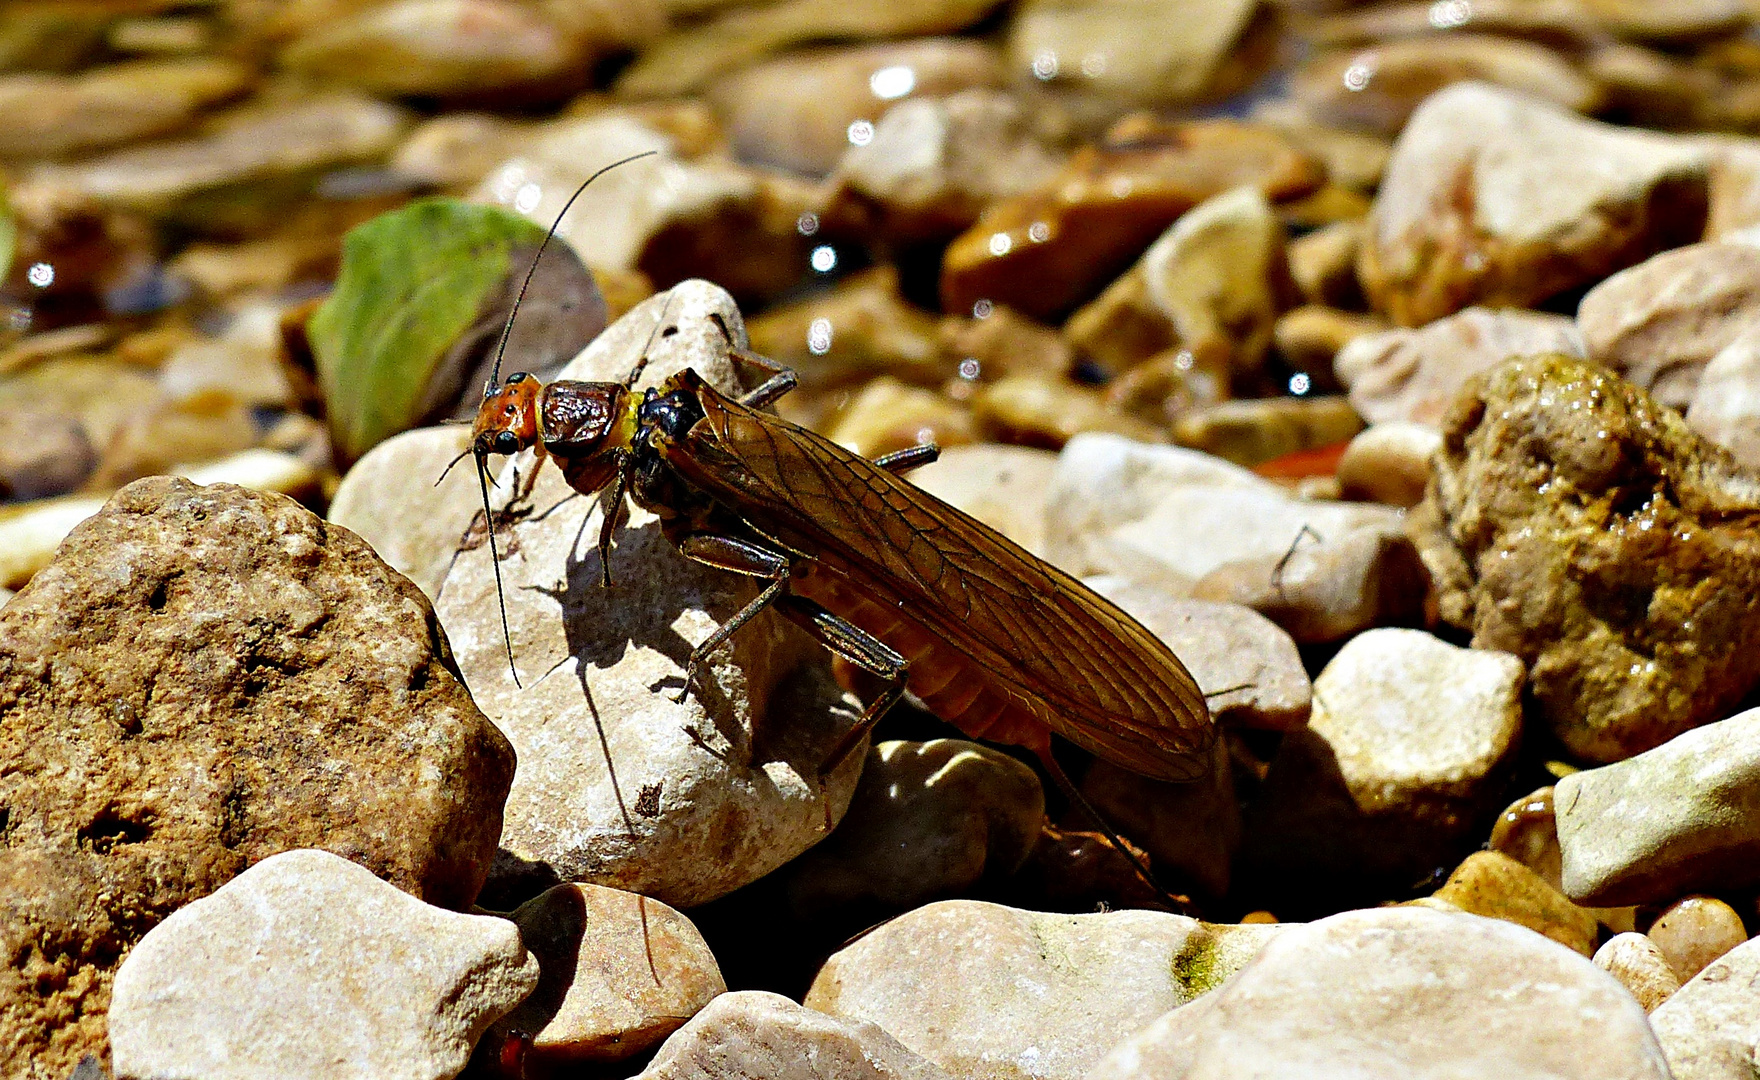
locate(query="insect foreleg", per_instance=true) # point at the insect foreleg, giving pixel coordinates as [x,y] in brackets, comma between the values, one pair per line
[911,457]
[610,508]
[738,557]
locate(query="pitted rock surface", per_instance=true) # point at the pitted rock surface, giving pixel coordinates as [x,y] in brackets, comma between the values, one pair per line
[203,677]
[1576,523]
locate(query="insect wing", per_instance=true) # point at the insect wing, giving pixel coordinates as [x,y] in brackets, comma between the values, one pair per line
[1113,687]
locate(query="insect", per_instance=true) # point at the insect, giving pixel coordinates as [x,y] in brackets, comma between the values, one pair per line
[891,579]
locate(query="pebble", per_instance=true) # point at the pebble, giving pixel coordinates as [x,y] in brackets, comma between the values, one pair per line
[1527,831]
[1707,1027]
[1403,757]
[1551,202]
[1310,338]
[270,976]
[1402,993]
[1327,591]
[1153,55]
[928,820]
[241,620]
[1192,830]
[887,415]
[1005,343]
[1675,819]
[751,1033]
[1377,88]
[1415,375]
[1049,410]
[1735,185]
[796,111]
[1044,252]
[1595,554]
[1389,462]
[985,990]
[1640,967]
[1005,487]
[456,149]
[1496,886]
[1659,323]
[1353,159]
[1694,931]
[50,116]
[1726,402]
[860,329]
[617,973]
[397,501]
[1262,429]
[618,784]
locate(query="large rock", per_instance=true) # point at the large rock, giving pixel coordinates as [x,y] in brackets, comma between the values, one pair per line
[1493,197]
[1707,1027]
[1680,818]
[619,784]
[202,678]
[1005,487]
[1402,994]
[751,1033]
[306,964]
[1574,522]
[995,993]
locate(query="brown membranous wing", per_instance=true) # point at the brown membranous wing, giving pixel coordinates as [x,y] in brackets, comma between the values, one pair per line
[1112,687]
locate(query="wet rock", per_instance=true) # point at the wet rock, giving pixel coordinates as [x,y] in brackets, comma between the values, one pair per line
[1527,832]
[51,116]
[932,165]
[617,973]
[1496,886]
[1575,523]
[1328,590]
[413,522]
[1707,1027]
[861,329]
[1681,817]
[928,820]
[753,1033]
[1046,251]
[1140,53]
[1403,757]
[469,48]
[1726,402]
[1496,198]
[1640,967]
[241,621]
[886,415]
[1389,463]
[1358,995]
[1659,323]
[1310,338]
[985,990]
[796,111]
[1049,410]
[1377,88]
[1214,282]
[1002,486]
[1694,931]
[1259,430]
[266,976]
[1415,375]
[689,58]
[1225,647]
[619,784]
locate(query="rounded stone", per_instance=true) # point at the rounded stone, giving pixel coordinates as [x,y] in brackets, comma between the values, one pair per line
[1694,931]
[1640,967]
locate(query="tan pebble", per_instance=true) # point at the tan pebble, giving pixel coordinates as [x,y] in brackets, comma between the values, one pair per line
[1389,463]
[1527,832]
[1640,967]
[1257,431]
[1695,931]
[1253,918]
[1038,410]
[1311,336]
[1492,884]
[887,415]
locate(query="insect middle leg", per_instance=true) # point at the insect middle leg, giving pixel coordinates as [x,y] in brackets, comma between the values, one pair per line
[860,648]
[782,377]
[738,557]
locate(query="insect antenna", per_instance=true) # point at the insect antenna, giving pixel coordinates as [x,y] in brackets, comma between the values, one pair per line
[466,452]
[1070,792]
[507,329]
[495,561]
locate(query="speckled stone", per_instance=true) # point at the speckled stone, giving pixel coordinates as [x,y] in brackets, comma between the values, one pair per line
[1707,1026]
[751,1033]
[1640,967]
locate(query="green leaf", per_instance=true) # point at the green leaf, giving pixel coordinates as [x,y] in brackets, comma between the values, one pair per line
[413,282]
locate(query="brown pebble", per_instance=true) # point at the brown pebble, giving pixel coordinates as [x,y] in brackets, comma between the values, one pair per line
[1694,931]
[1527,832]
[1257,917]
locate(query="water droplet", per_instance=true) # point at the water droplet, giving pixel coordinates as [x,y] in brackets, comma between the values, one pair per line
[1045,66]
[969,368]
[526,199]
[1357,76]
[824,258]
[982,309]
[1299,383]
[1038,232]
[42,275]
[861,133]
[1000,243]
[807,224]
[819,337]
[893,82]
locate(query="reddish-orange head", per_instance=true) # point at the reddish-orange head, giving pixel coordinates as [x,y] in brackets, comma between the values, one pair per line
[507,421]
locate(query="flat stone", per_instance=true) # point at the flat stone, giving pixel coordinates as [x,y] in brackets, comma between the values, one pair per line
[617,973]
[1496,198]
[1259,430]
[175,626]
[988,991]
[795,111]
[1415,375]
[1496,886]
[1726,402]
[1640,967]
[1403,993]
[1659,323]
[53,115]
[1048,410]
[752,1033]
[1151,54]
[1574,522]
[618,784]
[1002,486]
[928,820]
[1707,1027]
[1403,758]
[1389,463]
[1310,337]
[1694,931]
[1328,590]
[887,415]
[1353,159]
[390,498]
[275,974]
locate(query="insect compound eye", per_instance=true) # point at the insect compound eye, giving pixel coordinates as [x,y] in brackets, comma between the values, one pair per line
[516,377]
[506,442]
